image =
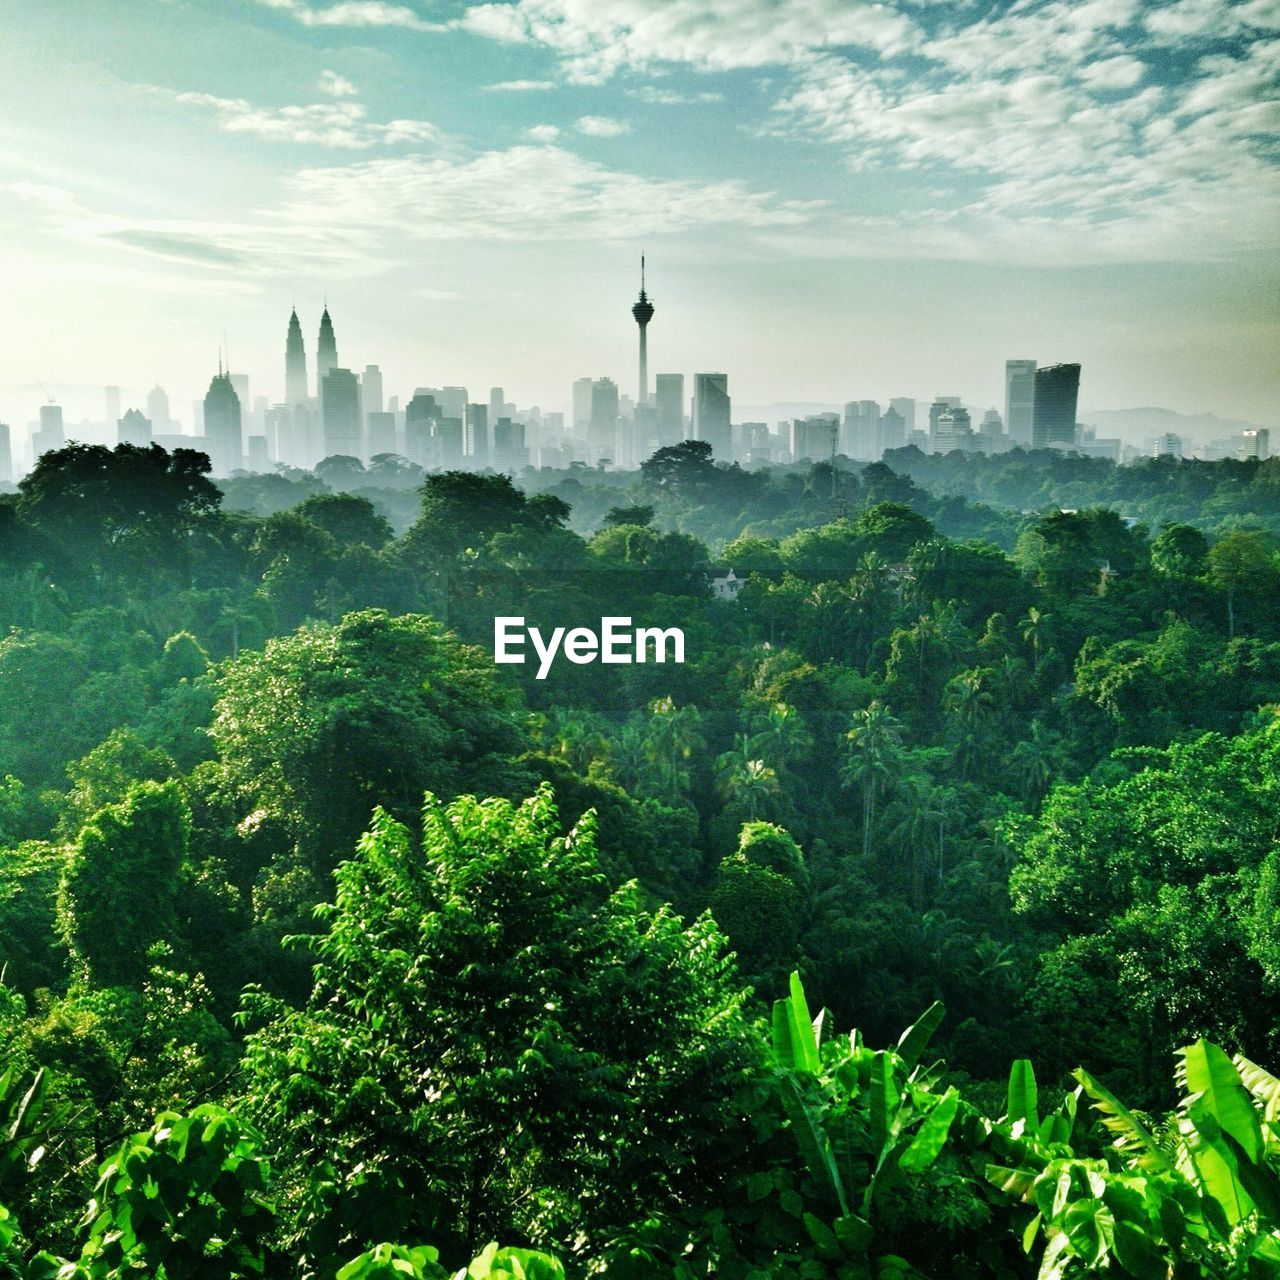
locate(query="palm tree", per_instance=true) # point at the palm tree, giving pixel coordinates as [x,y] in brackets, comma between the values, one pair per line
[745,781]
[1035,631]
[780,734]
[919,811]
[672,737]
[874,754]
[1035,760]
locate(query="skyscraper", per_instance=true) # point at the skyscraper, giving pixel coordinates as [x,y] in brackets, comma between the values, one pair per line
[952,430]
[602,436]
[1053,417]
[134,428]
[326,352]
[1255,442]
[711,413]
[420,416]
[295,363]
[222,425]
[158,409]
[340,412]
[643,313]
[1019,399]
[669,396]
[582,405]
[371,390]
[6,455]
[905,407]
[113,404]
[477,437]
[861,434]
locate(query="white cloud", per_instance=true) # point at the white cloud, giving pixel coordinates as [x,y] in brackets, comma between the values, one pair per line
[521,86]
[330,124]
[596,38]
[354,13]
[525,193]
[542,133]
[337,86]
[601,126]
[1116,73]
[671,97]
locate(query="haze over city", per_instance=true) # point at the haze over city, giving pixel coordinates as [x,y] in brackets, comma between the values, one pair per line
[838,200]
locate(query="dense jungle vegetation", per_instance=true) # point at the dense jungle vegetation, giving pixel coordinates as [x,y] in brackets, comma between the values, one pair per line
[329,948]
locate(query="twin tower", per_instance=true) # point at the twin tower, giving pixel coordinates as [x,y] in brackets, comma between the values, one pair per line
[296,389]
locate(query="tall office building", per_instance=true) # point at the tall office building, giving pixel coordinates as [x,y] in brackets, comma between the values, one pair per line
[420,416]
[669,397]
[340,413]
[1255,442]
[382,433]
[477,438]
[371,390]
[295,363]
[453,402]
[813,439]
[509,450]
[602,433]
[1168,445]
[905,407]
[1053,416]
[642,311]
[158,409]
[582,388]
[1019,399]
[134,428]
[51,434]
[448,439]
[939,406]
[860,437]
[893,427]
[112,399]
[222,425]
[711,413]
[497,404]
[326,352]
[953,429]
[6,455]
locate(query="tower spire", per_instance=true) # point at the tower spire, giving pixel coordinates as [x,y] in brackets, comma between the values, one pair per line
[642,311]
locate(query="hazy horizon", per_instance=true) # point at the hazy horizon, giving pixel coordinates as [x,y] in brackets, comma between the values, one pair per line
[838,201]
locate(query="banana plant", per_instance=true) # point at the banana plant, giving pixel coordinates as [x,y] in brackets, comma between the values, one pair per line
[1200,1200]
[861,1117]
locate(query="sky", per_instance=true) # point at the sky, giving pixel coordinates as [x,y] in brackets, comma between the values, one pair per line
[837,199]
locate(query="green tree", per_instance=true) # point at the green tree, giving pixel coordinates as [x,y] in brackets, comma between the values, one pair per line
[486,995]
[327,723]
[120,886]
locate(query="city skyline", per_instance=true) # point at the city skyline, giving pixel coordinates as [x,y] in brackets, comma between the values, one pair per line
[835,200]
